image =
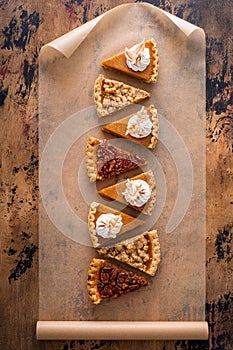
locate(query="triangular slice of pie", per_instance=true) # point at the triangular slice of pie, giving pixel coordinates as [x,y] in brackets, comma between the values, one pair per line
[141,252]
[138,192]
[140,61]
[141,127]
[113,95]
[106,224]
[104,160]
[107,280]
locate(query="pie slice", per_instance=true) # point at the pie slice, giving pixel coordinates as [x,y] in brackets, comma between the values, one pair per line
[112,95]
[131,61]
[141,127]
[107,280]
[141,252]
[138,192]
[104,160]
[105,223]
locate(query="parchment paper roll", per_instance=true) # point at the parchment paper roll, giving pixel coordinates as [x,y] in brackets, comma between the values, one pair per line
[106,330]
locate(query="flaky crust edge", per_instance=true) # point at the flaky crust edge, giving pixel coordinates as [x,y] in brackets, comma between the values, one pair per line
[155,60]
[155,126]
[91,223]
[156,252]
[97,97]
[92,280]
[91,166]
[147,210]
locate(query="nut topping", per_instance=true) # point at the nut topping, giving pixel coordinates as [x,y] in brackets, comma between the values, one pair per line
[112,161]
[114,281]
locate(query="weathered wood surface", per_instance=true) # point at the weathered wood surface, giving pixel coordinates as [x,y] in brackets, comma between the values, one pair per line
[25,27]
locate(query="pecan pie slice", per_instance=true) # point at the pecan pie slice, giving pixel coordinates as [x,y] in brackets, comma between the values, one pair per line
[107,280]
[112,95]
[131,61]
[104,160]
[138,192]
[106,223]
[141,127]
[141,252]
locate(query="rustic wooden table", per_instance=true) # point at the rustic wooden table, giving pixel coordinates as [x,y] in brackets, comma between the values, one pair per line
[25,27]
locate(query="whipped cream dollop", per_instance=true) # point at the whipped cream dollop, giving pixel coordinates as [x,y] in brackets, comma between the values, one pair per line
[139,125]
[137,57]
[108,225]
[137,192]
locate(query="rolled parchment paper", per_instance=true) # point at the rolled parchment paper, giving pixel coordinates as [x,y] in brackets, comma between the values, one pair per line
[68,68]
[106,330]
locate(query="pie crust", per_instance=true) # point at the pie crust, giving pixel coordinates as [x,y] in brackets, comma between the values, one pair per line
[149,75]
[107,280]
[112,95]
[115,191]
[91,163]
[119,128]
[141,252]
[96,209]
[123,160]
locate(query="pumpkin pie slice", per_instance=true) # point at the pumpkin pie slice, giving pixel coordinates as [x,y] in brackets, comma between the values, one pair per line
[141,252]
[140,61]
[141,127]
[104,160]
[106,224]
[107,280]
[138,192]
[112,95]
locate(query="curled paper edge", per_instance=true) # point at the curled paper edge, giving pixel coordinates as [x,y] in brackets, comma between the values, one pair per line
[186,27]
[68,43]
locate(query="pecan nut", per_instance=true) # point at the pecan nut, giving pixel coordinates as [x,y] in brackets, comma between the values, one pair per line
[114,281]
[112,161]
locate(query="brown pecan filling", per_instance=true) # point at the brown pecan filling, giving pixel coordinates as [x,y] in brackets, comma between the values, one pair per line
[114,282]
[112,161]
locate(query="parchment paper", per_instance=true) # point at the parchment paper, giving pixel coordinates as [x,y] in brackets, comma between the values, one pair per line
[68,68]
